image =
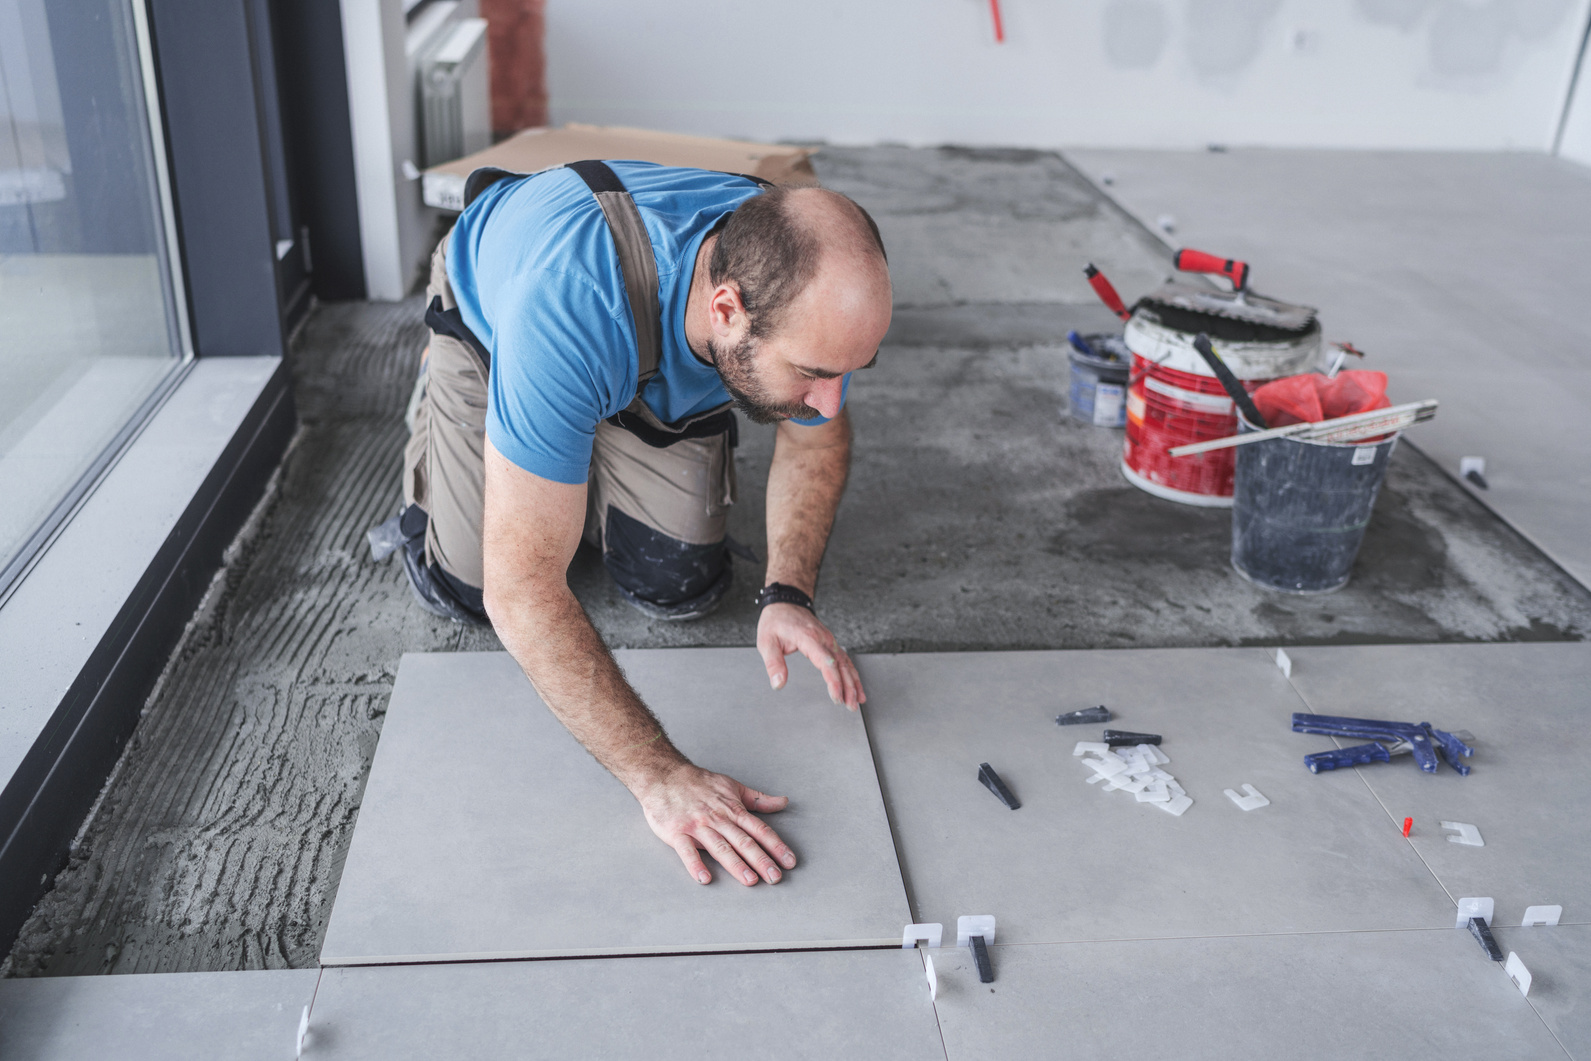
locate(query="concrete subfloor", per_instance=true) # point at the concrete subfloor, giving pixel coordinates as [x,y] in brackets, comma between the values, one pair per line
[977,518]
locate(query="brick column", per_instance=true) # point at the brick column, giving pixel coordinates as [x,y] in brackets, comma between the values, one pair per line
[516,43]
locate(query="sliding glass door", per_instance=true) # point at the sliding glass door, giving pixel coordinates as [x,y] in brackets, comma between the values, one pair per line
[91,325]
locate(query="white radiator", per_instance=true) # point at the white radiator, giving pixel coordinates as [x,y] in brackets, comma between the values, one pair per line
[455,94]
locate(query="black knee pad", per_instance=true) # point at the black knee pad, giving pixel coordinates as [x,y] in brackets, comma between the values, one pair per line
[649,565]
[437,591]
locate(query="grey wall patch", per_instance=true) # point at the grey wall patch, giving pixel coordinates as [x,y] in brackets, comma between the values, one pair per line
[1135,33]
[1466,41]
[1224,36]
[1400,13]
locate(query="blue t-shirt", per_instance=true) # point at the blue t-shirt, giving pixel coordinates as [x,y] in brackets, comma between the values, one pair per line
[537,279]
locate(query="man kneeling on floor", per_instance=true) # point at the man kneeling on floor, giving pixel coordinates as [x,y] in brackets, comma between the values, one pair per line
[591,327]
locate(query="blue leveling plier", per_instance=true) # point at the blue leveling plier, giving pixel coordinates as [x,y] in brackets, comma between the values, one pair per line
[1399,737]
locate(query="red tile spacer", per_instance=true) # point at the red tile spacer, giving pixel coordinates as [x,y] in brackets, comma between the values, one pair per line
[1408,823]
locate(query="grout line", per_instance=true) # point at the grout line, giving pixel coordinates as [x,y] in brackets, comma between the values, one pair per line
[1220,935]
[933,1003]
[511,959]
[889,817]
[1537,1012]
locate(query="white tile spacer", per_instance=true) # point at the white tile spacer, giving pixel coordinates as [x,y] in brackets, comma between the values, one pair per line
[1468,835]
[303,1033]
[1518,973]
[1089,746]
[969,925]
[1471,464]
[933,977]
[1252,801]
[1468,908]
[930,932]
[1541,915]
[1175,805]
[1284,662]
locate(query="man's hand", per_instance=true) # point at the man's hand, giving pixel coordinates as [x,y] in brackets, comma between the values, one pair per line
[691,808]
[787,628]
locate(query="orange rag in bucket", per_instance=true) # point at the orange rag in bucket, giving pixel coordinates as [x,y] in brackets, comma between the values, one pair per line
[1312,398]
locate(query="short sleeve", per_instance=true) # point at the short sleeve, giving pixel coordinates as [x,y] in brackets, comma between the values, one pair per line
[560,362]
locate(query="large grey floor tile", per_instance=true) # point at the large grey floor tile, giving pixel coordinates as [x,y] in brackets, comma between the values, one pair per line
[1538,474]
[1457,272]
[487,831]
[834,1004]
[239,1016]
[1409,995]
[1559,960]
[1079,863]
[1529,784]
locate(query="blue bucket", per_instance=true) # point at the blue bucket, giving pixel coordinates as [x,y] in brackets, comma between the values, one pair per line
[1098,394]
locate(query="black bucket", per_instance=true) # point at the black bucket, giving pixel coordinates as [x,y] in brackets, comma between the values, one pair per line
[1300,508]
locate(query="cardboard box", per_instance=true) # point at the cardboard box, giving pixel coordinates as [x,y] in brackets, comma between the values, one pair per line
[537,149]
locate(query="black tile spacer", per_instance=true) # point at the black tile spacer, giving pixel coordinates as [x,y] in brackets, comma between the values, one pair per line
[992,782]
[1118,737]
[1483,935]
[980,955]
[1088,714]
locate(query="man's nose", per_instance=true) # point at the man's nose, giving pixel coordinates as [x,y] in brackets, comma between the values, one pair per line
[824,396]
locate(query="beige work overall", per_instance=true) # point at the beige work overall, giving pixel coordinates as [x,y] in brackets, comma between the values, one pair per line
[682,491]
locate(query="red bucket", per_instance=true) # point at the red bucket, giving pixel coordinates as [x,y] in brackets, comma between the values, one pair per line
[1165,408]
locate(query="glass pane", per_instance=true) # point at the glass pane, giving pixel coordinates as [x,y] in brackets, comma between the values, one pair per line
[88,326]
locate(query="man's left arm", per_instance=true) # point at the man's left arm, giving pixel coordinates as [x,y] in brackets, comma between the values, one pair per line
[805,482]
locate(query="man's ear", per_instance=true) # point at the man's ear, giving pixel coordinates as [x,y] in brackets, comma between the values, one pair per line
[725,312]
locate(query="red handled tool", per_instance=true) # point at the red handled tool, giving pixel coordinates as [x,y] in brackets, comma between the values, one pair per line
[1107,293]
[999,28]
[1192,261]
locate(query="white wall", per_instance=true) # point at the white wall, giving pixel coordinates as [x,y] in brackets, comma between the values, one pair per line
[1478,74]
[373,52]
[379,47]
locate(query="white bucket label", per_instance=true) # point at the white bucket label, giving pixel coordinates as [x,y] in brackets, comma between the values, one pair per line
[1364,454]
[1213,403]
[1107,404]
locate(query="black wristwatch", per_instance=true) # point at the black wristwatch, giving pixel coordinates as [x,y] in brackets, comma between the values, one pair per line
[779,593]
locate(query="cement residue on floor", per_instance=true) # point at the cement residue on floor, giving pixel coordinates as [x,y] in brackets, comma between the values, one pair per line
[978,517]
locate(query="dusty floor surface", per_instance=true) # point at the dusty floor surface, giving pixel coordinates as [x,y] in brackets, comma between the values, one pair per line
[977,518]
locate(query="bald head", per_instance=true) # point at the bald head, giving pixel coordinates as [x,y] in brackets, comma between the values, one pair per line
[776,244]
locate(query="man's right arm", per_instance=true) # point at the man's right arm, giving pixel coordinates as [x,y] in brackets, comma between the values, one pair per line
[532,528]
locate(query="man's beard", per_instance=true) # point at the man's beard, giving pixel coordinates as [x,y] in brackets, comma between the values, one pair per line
[735,365]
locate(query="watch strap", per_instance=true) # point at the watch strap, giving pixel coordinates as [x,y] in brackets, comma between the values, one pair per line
[779,593]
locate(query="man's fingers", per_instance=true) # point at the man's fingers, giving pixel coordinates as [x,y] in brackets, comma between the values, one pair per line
[712,838]
[849,683]
[693,861]
[773,658]
[827,660]
[763,833]
[762,803]
[859,695]
[752,851]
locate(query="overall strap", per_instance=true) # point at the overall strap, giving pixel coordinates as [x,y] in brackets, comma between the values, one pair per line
[638,269]
[481,179]
[636,263]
